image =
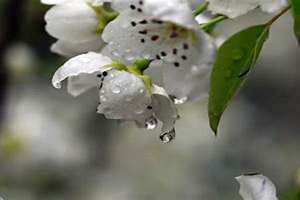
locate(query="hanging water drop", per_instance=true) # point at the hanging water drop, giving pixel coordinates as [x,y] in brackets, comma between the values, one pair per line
[180,101]
[168,136]
[151,123]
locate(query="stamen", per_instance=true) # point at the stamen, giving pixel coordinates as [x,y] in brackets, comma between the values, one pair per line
[185,46]
[183,57]
[133,23]
[163,53]
[143,22]
[175,51]
[176,64]
[154,37]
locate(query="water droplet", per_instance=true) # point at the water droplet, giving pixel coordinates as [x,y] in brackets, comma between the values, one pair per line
[151,123]
[116,90]
[139,111]
[142,91]
[115,53]
[168,136]
[237,54]
[102,91]
[180,101]
[103,98]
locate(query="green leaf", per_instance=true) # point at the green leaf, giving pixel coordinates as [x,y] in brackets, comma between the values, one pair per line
[235,59]
[296,11]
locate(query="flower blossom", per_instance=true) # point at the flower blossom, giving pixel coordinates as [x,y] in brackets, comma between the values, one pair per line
[77,24]
[123,94]
[256,187]
[168,34]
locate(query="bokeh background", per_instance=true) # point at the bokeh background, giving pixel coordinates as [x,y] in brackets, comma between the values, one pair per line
[55,147]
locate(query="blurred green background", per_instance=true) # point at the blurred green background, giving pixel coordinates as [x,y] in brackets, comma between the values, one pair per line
[55,147]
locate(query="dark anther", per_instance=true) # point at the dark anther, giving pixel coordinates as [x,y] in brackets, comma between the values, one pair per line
[139,10]
[99,75]
[132,7]
[183,57]
[154,37]
[175,51]
[156,21]
[143,40]
[141,2]
[105,73]
[133,23]
[149,107]
[158,57]
[144,32]
[185,46]
[163,53]
[176,64]
[143,22]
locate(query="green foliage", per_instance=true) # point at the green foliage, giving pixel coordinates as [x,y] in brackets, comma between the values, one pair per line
[235,59]
[293,195]
[296,11]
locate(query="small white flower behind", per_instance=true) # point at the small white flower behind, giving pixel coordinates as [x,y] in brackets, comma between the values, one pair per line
[256,187]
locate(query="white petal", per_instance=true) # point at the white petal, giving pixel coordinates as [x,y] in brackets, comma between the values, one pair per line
[174,11]
[272,6]
[164,109]
[190,80]
[256,187]
[66,48]
[73,22]
[123,96]
[82,68]
[235,8]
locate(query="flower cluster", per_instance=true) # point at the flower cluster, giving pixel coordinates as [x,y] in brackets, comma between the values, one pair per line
[115,43]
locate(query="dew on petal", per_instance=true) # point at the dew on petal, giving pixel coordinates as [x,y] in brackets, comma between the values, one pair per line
[142,91]
[139,111]
[116,90]
[168,136]
[151,123]
[180,101]
[103,98]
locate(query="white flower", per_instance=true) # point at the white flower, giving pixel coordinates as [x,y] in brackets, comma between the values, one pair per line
[235,8]
[256,187]
[74,23]
[167,32]
[123,95]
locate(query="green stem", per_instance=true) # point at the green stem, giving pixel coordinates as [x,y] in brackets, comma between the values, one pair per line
[200,9]
[276,17]
[212,23]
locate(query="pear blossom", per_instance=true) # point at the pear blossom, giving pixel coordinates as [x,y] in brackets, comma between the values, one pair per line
[122,95]
[236,8]
[75,23]
[167,32]
[256,187]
